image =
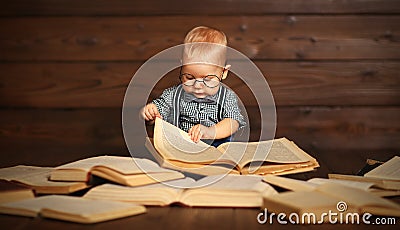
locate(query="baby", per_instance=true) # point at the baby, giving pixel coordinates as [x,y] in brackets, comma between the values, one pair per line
[200,105]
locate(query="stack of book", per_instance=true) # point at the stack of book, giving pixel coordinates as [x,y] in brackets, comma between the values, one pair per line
[233,175]
[20,184]
[127,184]
[172,148]
[384,179]
[359,194]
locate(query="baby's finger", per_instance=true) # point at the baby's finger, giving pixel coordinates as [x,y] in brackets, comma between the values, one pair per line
[197,134]
[148,116]
[190,132]
[155,112]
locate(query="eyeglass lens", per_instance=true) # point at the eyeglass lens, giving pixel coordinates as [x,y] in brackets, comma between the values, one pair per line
[209,80]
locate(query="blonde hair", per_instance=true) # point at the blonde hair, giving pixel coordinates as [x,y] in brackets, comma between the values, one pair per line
[205,45]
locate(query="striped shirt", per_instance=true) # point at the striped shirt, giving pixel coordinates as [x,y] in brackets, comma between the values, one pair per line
[195,111]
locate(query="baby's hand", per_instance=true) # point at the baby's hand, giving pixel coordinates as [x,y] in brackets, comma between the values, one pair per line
[199,131]
[150,112]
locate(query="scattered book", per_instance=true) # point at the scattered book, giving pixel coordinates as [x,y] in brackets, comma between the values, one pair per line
[75,209]
[385,176]
[227,191]
[37,178]
[369,165]
[328,198]
[174,149]
[10,192]
[389,170]
[312,184]
[122,170]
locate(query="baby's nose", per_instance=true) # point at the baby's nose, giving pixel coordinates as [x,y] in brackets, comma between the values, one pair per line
[199,84]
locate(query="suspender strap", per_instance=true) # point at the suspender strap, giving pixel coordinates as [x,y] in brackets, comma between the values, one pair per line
[178,95]
[175,104]
[221,101]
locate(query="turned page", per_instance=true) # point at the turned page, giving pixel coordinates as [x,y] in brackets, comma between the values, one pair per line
[389,170]
[174,144]
[276,151]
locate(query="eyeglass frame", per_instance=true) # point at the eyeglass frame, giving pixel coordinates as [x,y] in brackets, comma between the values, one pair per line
[195,79]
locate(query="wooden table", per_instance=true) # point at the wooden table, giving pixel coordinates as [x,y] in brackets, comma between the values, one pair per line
[176,217]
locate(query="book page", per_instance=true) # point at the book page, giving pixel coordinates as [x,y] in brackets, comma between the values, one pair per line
[389,170]
[196,168]
[279,151]
[38,179]
[154,194]
[227,191]
[356,196]
[69,206]
[232,183]
[175,144]
[290,184]
[20,172]
[88,163]
[97,210]
[300,201]
[380,183]
[354,184]
[128,165]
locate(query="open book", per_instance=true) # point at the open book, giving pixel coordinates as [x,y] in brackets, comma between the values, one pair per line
[385,176]
[75,209]
[227,191]
[10,191]
[174,149]
[122,170]
[37,178]
[312,184]
[330,198]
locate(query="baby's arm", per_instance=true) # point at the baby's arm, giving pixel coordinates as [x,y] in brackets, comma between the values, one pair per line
[160,107]
[222,129]
[150,112]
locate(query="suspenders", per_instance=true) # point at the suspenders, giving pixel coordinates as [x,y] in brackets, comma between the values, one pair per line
[175,105]
[179,95]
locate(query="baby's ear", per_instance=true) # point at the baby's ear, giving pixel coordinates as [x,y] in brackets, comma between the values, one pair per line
[226,70]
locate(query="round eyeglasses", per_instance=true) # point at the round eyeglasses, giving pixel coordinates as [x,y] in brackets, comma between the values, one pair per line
[211,80]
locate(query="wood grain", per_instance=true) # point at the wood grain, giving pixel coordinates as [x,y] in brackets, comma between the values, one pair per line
[206,7]
[258,37]
[103,84]
[332,67]
[46,136]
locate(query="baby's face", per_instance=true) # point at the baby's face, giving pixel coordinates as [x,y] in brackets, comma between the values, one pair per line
[199,71]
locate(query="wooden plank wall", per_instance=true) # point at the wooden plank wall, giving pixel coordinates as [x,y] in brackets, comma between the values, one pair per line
[333,68]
